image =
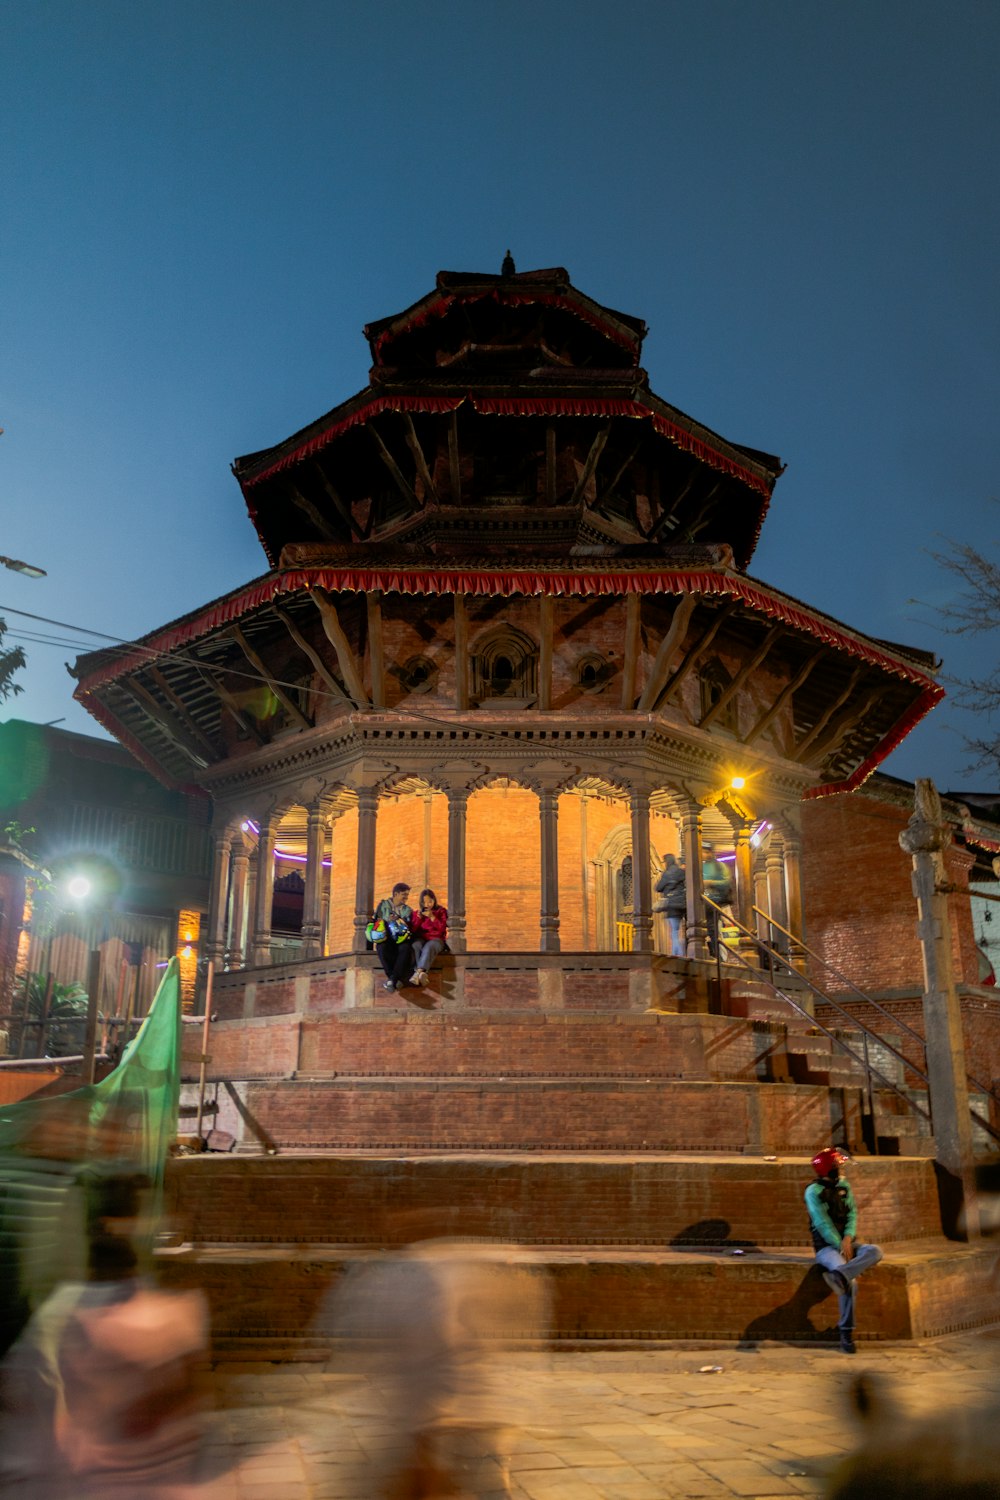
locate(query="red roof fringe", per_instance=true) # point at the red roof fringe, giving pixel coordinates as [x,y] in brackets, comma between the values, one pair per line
[517,406]
[458,581]
[923,705]
[511,298]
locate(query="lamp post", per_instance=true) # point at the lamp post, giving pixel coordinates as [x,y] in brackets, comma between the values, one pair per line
[28,569]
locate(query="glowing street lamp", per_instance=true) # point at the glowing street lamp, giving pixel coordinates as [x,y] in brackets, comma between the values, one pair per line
[79,887]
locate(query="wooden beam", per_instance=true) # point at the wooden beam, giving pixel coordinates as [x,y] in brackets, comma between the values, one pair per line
[784,697]
[461,654]
[373,604]
[693,527]
[338,640]
[314,514]
[402,483]
[842,727]
[153,711]
[545,652]
[318,663]
[454,459]
[695,651]
[596,449]
[183,713]
[227,700]
[609,489]
[413,443]
[288,703]
[825,717]
[340,506]
[665,655]
[666,515]
[750,665]
[633,639]
[550,465]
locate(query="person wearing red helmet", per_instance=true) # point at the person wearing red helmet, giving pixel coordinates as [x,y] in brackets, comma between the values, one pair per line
[833,1223]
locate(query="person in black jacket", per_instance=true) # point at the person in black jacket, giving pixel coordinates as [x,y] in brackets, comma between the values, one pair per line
[671,886]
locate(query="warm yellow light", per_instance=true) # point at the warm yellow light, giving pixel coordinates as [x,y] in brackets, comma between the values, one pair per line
[738,783]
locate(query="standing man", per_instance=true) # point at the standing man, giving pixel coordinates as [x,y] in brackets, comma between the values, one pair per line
[714,884]
[833,1222]
[391,934]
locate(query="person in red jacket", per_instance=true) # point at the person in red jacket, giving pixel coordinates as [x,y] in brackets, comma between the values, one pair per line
[430,935]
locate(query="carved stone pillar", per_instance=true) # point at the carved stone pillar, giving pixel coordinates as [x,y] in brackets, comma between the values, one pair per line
[745,892]
[793,903]
[760,896]
[925,838]
[238,904]
[697,931]
[218,893]
[774,865]
[458,802]
[364,889]
[548,813]
[264,894]
[312,903]
[642,880]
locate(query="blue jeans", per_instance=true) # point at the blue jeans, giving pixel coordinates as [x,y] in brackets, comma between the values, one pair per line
[425,952]
[674,922]
[865,1256]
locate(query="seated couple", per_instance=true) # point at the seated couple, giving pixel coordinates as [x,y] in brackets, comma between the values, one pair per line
[408,942]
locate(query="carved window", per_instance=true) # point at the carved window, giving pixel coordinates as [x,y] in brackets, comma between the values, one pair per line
[623,890]
[418,675]
[505,666]
[715,681]
[592,672]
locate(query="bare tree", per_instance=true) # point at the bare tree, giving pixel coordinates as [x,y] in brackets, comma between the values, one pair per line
[974,610]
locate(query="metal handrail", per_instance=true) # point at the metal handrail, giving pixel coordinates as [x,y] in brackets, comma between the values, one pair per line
[838,1041]
[984,1088]
[856,1022]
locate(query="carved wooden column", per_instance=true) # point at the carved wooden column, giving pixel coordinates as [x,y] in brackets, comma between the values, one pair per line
[548,813]
[642,881]
[238,904]
[312,904]
[745,945]
[697,931]
[760,896]
[215,947]
[264,893]
[364,888]
[774,864]
[793,902]
[458,802]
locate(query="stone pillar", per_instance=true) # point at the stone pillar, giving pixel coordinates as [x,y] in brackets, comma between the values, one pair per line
[364,889]
[793,903]
[774,866]
[697,932]
[264,893]
[642,881]
[925,838]
[548,813]
[458,802]
[745,945]
[218,893]
[312,904]
[238,904]
[327,890]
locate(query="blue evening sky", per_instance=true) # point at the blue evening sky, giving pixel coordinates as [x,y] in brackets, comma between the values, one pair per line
[203,203]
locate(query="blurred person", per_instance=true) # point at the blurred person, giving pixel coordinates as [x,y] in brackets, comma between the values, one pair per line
[430,935]
[672,886]
[102,1395]
[833,1223]
[429,1323]
[716,886]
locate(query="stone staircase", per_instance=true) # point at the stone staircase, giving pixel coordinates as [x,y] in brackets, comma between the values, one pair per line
[652,1165]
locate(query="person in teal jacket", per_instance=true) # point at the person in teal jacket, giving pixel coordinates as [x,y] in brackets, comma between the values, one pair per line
[833,1223]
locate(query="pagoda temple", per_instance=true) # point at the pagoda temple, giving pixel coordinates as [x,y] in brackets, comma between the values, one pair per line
[506,646]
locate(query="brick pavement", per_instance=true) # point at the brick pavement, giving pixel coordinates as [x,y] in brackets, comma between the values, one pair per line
[626,1424]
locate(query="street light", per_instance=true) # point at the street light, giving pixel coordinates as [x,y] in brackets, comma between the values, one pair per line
[28,569]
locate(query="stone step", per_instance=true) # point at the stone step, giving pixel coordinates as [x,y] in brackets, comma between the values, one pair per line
[365,1198]
[274,1297]
[631,1114]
